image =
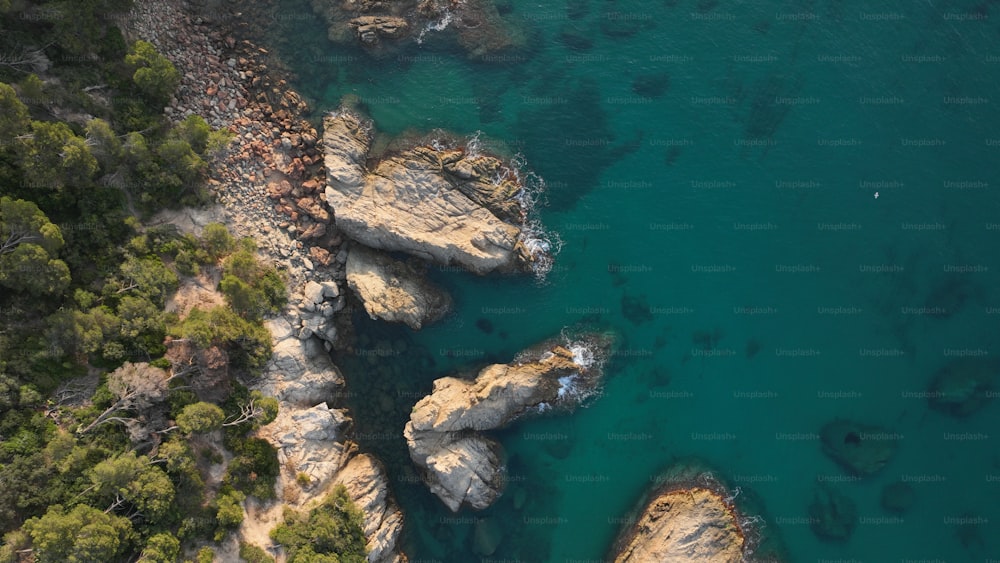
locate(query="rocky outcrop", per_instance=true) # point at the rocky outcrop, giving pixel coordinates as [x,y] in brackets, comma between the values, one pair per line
[690,517]
[860,448]
[371,29]
[382,27]
[394,291]
[368,486]
[444,205]
[464,467]
[312,439]
[318,302]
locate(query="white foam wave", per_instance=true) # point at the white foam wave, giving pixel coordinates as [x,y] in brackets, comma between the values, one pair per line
[582,355]
[439,25]
[569,388]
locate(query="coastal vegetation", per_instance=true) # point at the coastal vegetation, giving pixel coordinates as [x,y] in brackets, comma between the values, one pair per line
[120,408]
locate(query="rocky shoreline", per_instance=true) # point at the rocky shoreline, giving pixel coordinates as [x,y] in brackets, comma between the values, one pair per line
[267,186]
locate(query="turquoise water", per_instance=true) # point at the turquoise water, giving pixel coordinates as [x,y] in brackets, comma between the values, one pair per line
[712,169]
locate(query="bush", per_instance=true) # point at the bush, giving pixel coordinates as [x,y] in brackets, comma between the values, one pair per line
[335,527]
[200,417]
[155,76]
[253,554]
[254,469]
[229,514]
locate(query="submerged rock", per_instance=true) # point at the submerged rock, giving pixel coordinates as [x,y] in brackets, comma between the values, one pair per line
[690,517]
[394,291]
[832,515]
[862,449]
[444,205]
[963,386]
[898,497]
[462,466]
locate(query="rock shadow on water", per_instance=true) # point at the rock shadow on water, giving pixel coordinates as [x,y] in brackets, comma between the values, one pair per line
[636,309]
[951,294]
[569,143]
[762,108]
[652,86]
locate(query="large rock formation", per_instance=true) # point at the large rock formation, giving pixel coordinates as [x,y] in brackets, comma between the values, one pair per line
[392,290]
[690,517]
[462,466]
[443,205]
[860,448]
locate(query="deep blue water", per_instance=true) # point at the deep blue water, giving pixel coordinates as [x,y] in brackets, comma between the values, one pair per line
[711,169]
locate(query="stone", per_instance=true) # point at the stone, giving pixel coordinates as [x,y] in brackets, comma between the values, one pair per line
[313,292]
[330,289]
[460,465]
[832,515]
[415,202]
[860,448]
[368,486]
[392,290]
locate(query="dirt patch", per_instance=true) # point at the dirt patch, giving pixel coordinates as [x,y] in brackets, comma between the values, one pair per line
[198,291]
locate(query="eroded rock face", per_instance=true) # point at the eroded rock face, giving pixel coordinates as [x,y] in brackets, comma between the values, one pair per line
[860,448]
[394,291]
[462,466]
[442,205]
[368,486]
[685,525]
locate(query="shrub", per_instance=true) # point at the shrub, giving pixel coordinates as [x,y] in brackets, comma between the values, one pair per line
[332,528]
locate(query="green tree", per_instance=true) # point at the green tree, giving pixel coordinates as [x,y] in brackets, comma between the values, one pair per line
[33,89]
[216,240]
[205,555]
[14,118]
[230,512]
[335,528]
[105,145]
[200,417]
[248,344]
[161,548]
[194,131]
[82,535]
[52,156]
[148,278]
[253,554]
[28,243]
[155,76]
[135,480]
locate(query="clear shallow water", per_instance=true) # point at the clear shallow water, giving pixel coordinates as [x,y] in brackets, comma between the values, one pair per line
[712,171]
